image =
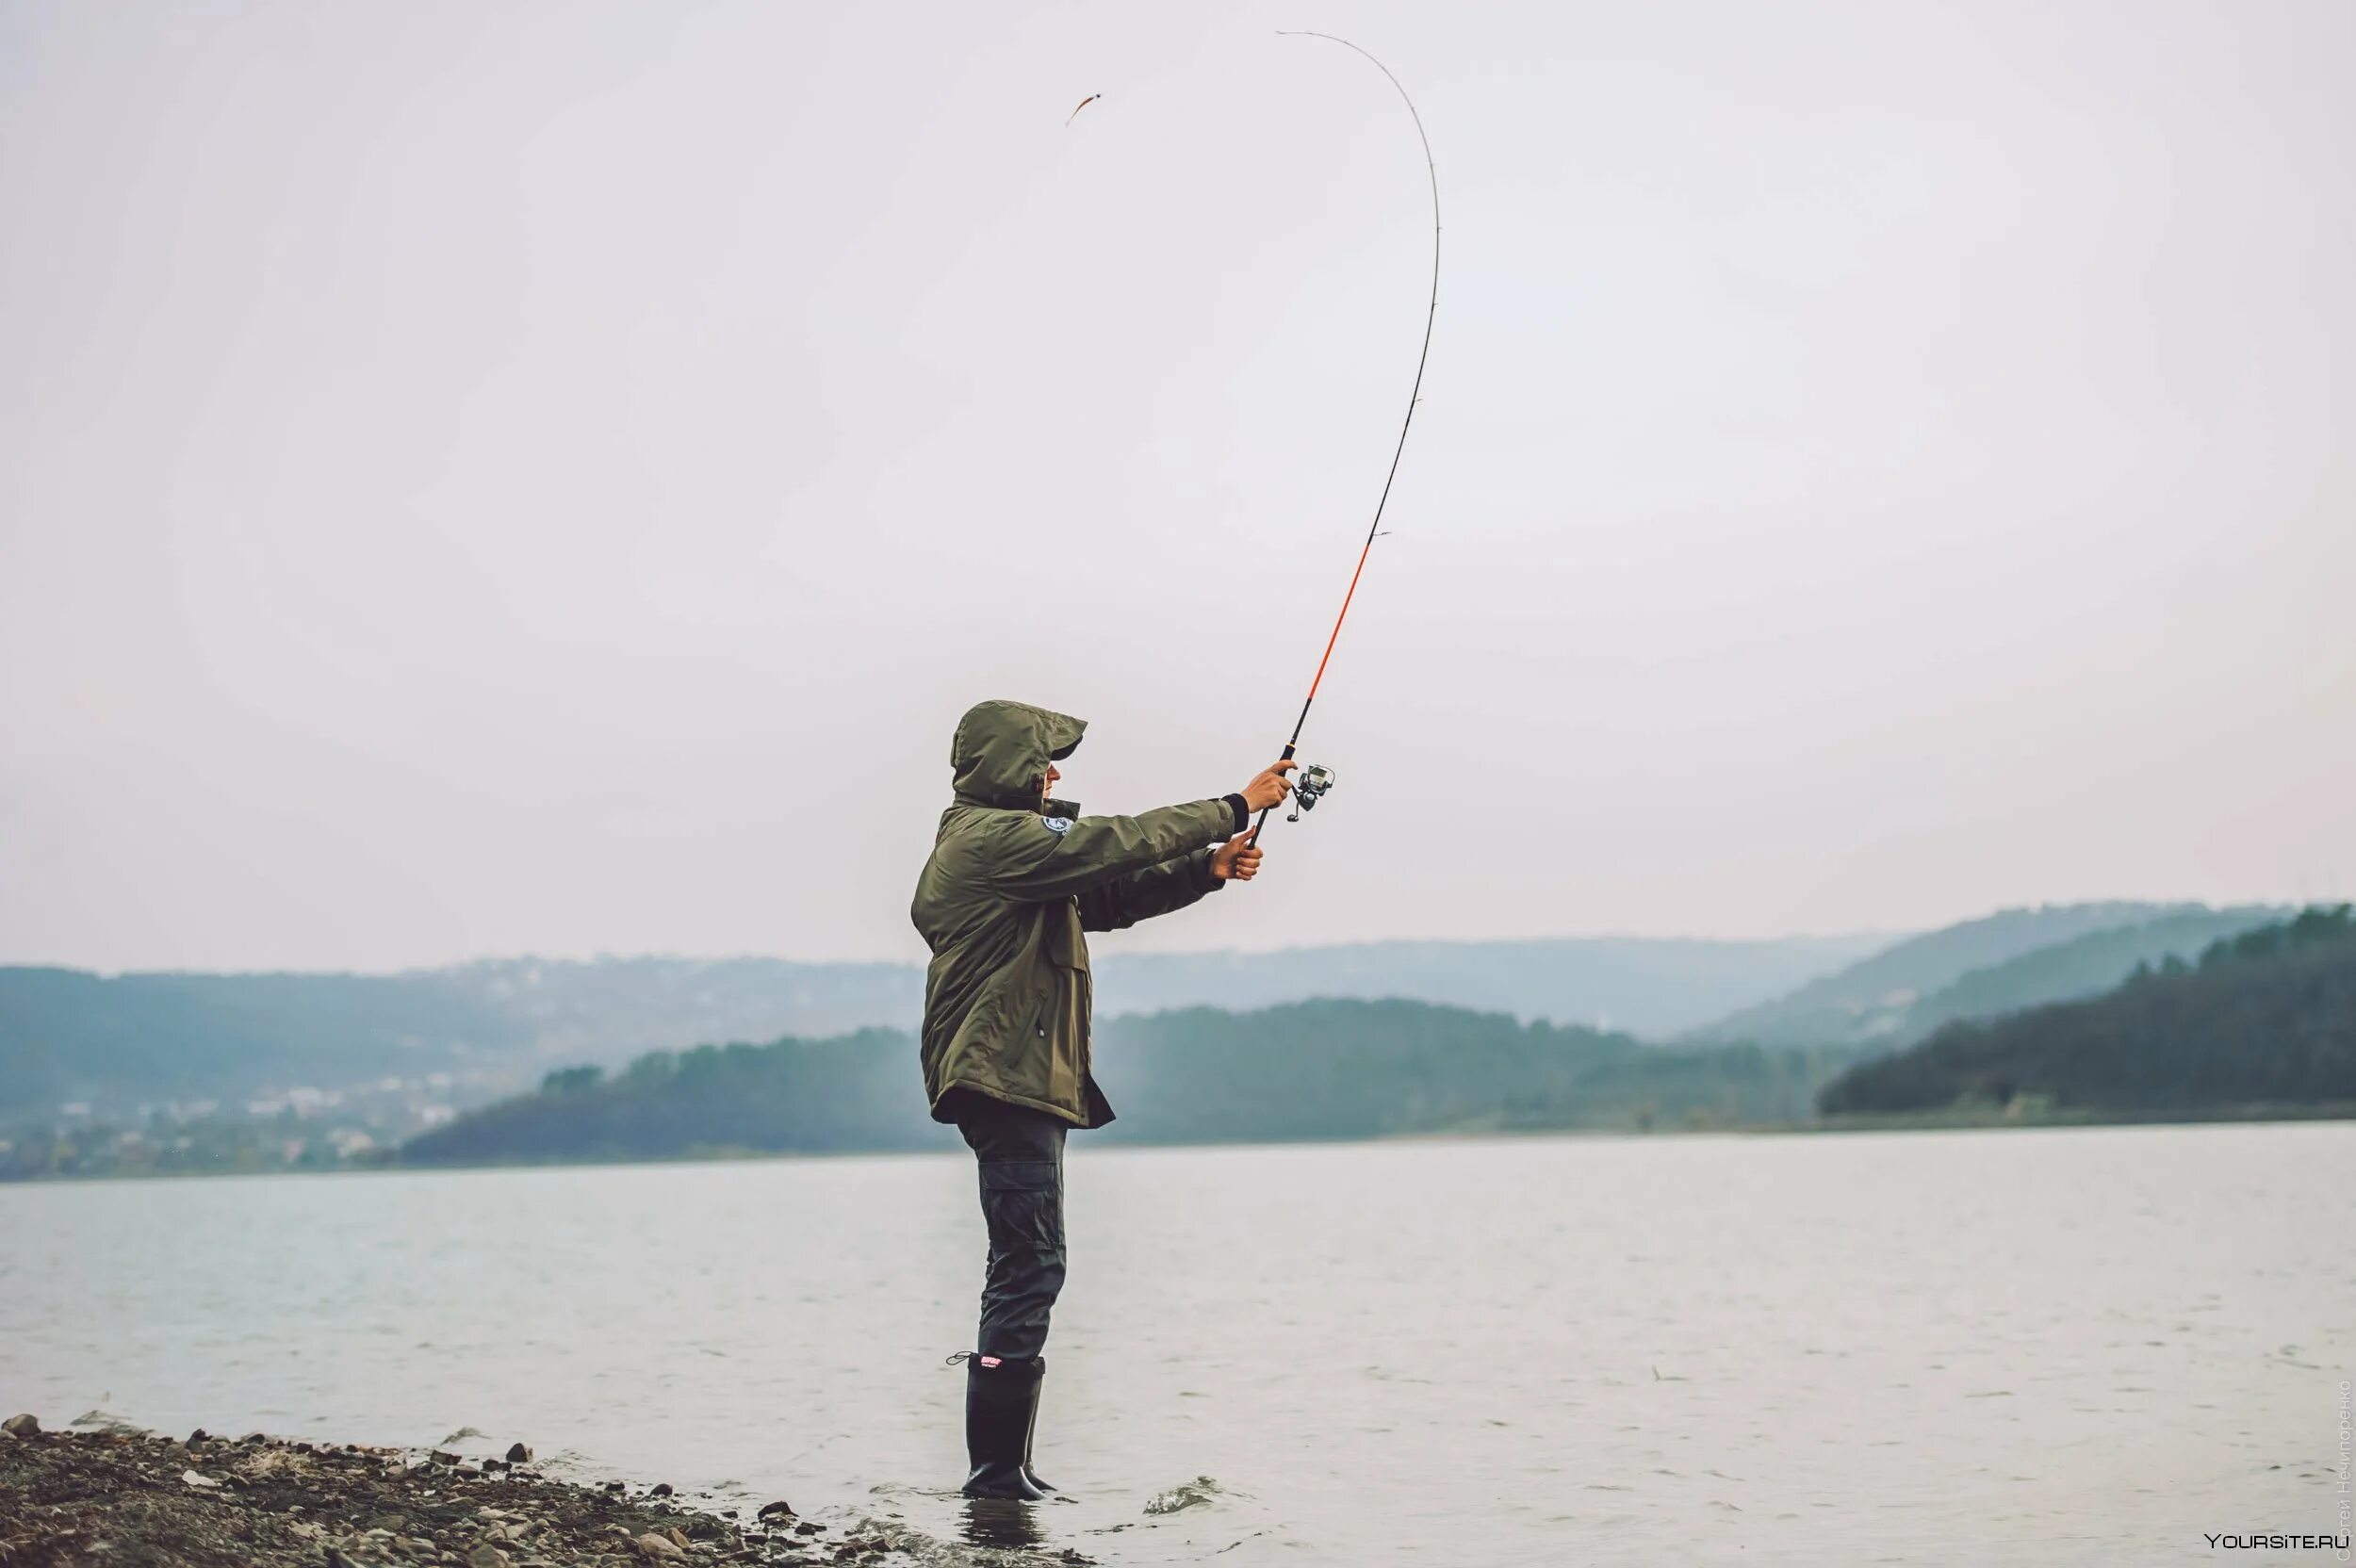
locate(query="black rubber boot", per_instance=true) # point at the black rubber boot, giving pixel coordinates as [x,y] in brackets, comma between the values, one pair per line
[1001,1398]
[1030,1428]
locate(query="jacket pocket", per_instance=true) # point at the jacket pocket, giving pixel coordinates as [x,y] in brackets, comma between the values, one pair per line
[1064,945]
[1046,987]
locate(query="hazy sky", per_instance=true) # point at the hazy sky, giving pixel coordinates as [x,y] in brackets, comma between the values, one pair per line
[548,477]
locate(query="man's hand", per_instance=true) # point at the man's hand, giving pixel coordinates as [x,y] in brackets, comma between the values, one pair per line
[1236,860]
[1269,788]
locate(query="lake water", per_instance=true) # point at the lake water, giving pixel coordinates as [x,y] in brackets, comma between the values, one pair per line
[2034,1347]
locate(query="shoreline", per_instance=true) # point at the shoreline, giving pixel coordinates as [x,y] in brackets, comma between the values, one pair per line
[1941,1121]
[131,1498]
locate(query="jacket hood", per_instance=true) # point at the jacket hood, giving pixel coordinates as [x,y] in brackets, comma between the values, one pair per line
[1002,750]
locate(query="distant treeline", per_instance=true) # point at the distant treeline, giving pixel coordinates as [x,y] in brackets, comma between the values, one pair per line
[1306,1070]
[2266,1017]
[854,1091]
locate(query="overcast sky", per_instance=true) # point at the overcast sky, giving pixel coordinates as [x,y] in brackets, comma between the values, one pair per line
[547,478]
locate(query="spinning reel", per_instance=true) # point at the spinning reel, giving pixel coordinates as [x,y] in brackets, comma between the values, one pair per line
[1309,788]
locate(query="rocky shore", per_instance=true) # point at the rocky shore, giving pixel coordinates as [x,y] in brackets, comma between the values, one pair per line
[137,1498]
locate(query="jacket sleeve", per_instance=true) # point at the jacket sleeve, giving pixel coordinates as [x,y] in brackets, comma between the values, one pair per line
[1142,894]
[1024,859]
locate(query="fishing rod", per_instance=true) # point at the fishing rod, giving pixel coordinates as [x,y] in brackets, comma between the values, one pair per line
[1315,781]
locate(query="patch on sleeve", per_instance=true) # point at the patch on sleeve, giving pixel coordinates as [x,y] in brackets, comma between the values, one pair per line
[1057,825]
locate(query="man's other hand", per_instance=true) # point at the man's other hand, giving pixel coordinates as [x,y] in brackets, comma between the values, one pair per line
[1236,860]
[1269,788]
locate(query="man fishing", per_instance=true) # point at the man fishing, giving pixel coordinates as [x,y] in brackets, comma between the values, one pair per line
[1014,879]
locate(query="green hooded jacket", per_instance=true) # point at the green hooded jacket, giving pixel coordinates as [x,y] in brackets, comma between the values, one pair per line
[1012,882]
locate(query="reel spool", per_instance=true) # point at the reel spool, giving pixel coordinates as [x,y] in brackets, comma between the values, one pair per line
[1309,788]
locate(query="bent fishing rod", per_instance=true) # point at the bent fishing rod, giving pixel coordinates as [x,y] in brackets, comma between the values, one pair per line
[1315,781]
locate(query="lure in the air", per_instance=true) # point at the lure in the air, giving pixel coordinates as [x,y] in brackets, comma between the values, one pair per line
[1084,103]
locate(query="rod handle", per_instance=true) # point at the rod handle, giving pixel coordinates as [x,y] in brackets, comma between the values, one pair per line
[1266,809]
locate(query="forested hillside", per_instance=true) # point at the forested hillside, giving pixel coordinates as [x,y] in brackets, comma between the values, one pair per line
[2081,967]
[2267,1018]
[854,1091]
[1871,1002]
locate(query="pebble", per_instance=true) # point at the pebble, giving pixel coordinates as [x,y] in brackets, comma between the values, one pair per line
[770,1511]
[518,1454]
[343,1520]
[20,1426]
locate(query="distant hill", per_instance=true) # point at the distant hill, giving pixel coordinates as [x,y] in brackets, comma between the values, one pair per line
[2266,1018]
[2081,967]
[1346,1069]
[69,1036]
[1873,1001]
[855,1091]
[1303,1070]
[608,1010]
[123,1041]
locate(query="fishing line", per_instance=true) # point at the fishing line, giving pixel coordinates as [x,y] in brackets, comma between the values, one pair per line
[1315,781]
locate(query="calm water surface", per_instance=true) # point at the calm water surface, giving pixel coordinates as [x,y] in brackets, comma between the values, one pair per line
[2030,1347]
